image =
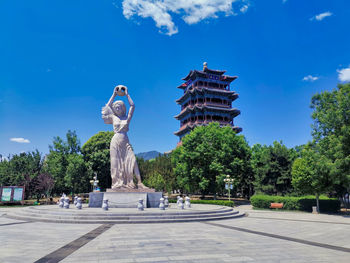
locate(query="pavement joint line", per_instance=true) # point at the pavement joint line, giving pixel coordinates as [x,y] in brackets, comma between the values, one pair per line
[66,250]
[15,223]
[297,240]
[299,220]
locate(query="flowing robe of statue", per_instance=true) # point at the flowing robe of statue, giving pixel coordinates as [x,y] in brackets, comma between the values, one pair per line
[123,160]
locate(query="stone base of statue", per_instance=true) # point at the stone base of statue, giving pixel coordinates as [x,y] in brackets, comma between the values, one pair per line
[131,190]
[126,199]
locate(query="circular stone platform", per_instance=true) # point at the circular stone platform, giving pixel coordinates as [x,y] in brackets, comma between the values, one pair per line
[54,214]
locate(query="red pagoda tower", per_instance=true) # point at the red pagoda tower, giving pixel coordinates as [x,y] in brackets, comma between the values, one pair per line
[207,98]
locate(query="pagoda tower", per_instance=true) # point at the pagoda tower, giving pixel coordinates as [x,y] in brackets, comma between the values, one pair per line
[207,98]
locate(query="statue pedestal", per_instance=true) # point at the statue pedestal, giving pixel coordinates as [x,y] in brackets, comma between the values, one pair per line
[125,199]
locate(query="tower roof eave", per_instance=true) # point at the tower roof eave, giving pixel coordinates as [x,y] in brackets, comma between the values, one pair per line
[214,71]
[232,111]
[232,95]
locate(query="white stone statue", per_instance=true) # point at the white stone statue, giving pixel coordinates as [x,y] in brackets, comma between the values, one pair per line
[123,160]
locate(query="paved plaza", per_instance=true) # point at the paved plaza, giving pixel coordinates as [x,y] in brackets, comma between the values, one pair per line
[261,236]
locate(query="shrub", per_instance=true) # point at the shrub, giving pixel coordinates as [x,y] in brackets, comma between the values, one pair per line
[302,203]
[208,202]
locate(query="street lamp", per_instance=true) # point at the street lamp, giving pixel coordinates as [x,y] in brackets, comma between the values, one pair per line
[228,185]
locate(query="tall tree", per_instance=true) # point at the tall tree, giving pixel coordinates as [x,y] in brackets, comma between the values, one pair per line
[65,164]
[311,173]
[24,169]
[207,155]
[158,173]
[272,168]
[97,157]
[331,132]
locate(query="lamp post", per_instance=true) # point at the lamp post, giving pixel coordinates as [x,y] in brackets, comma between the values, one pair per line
[229,185]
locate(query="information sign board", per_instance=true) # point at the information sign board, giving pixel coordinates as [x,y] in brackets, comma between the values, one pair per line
[6,194]
[17,194]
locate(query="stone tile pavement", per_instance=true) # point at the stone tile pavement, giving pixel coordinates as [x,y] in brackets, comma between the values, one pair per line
[185,242]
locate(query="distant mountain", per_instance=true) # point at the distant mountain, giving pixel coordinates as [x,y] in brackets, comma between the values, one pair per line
[148,155]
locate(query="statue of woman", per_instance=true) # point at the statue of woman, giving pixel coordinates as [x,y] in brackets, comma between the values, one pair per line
[123,161]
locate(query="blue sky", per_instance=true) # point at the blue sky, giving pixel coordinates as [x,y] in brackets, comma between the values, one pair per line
[60,60]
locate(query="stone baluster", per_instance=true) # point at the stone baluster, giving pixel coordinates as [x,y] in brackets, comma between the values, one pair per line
[66,202]
[79,204]
[181,203]
[161,205]
[105,204]
[61,203]
[140,206]
[177,202]
[166,202]
[187,202]
[75,200]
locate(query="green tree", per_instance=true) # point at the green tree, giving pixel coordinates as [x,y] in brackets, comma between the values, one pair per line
[24,169]
[76,177]
[156,181]
[158,172]
[65,164]
[311,174]
[97,157]
[331,132]
[207,155]
[272,168]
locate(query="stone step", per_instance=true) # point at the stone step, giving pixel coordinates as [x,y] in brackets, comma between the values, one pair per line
[122,221]
[115,216]
[83,212]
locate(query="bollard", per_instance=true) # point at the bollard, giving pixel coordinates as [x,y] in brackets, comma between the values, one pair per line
[61,203]
[66,203]
[105,205]
[75,200]
[161,205]
[178,198]
[187,202]
[140,206]
[79,204]
[166,202]
[181,203]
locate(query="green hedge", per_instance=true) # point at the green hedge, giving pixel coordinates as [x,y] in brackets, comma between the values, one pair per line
[208,202]
[302,203]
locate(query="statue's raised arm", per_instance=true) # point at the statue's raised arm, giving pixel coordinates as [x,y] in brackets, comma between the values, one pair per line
[132,105]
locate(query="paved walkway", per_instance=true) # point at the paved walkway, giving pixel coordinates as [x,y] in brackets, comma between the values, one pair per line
[262,236]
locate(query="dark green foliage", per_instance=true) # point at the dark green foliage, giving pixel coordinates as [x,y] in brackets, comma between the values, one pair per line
[158,173]
[14,170]
[97,157]
[272,168]
[65,164]
[26,169]
[302,203]
[331,133]
[209,202]
[207,155]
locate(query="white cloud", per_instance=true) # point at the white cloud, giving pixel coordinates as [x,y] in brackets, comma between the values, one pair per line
[344,74]
[19,140]
[191,11]
[310,78]
[321,16]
